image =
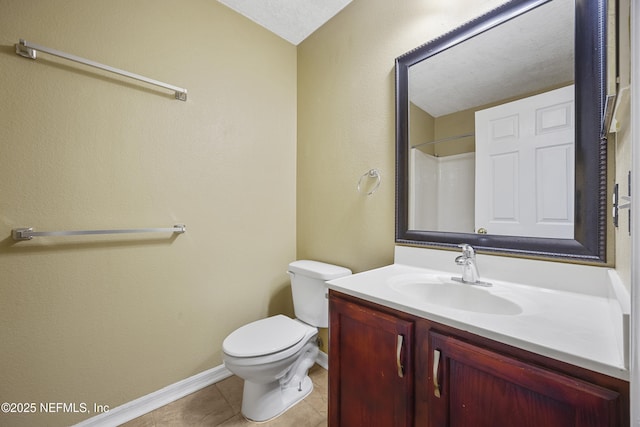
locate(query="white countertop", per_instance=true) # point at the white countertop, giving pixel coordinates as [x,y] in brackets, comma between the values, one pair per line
[583,329]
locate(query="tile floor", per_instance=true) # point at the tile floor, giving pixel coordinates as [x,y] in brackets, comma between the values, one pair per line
[218,405]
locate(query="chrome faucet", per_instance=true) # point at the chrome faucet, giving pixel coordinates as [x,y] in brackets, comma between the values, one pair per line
[470,272]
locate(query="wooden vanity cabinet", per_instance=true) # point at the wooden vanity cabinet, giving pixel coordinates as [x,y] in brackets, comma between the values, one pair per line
[452,378]
[474,386]
[371,374]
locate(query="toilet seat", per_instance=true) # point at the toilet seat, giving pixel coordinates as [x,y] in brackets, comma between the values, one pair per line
[263,337]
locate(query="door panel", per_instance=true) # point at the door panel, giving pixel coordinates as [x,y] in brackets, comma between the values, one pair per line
[525,166]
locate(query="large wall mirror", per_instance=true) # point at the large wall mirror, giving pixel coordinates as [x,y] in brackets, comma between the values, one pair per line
[499,138]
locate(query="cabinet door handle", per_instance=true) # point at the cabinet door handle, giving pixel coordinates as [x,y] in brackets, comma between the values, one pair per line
[436,365]
[399,343]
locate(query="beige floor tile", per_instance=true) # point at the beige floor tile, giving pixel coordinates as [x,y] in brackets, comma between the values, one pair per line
[237,421]
[144,421]
[206,407]
[219,406]
[301,415]
[318,398]
[231,389]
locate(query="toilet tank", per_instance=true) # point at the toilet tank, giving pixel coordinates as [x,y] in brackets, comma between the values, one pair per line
[310,291]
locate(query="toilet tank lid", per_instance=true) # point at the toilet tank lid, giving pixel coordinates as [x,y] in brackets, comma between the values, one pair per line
[318,270]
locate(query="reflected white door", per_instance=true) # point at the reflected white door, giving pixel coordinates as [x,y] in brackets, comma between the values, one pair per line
[525,166]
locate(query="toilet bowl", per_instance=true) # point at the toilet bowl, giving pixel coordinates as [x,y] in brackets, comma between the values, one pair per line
[275,376]
[273,355]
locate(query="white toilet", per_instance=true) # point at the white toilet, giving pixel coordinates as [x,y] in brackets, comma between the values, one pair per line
[273,355]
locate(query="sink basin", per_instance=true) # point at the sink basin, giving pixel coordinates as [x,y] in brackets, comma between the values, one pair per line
[441,290]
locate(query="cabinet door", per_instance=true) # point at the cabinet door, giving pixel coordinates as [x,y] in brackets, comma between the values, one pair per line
[472,386]
[370,355]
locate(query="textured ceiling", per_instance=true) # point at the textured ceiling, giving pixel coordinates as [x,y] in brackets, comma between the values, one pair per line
[293,20]
[522,56]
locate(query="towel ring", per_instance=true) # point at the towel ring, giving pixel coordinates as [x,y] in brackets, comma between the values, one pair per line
[372,173]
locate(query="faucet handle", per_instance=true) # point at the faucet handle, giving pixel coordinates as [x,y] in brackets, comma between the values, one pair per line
[467,250]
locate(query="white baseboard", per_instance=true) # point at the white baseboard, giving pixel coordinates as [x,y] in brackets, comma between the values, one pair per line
[145,404]
[138,407]
[323,360]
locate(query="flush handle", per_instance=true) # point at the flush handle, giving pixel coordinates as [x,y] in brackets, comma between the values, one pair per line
[399,343]
[436,366]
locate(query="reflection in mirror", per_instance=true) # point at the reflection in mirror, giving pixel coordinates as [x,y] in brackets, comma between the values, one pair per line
[446,134]
[491,119]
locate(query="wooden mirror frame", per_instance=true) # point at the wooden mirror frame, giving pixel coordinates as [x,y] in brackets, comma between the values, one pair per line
[589,242]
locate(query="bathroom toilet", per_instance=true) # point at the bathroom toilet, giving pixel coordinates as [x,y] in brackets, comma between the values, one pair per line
[273,355]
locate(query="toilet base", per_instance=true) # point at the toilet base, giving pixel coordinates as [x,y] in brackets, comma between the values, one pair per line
[262,402]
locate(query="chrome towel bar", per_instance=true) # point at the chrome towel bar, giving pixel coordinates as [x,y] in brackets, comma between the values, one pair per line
[28,233]
[28,50]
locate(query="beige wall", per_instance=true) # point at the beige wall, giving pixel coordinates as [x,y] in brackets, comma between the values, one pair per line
[106,320]
[454,125]
[346,123]
[421,129]
[622,143]
[346,127]
[621,238]
[109,319]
